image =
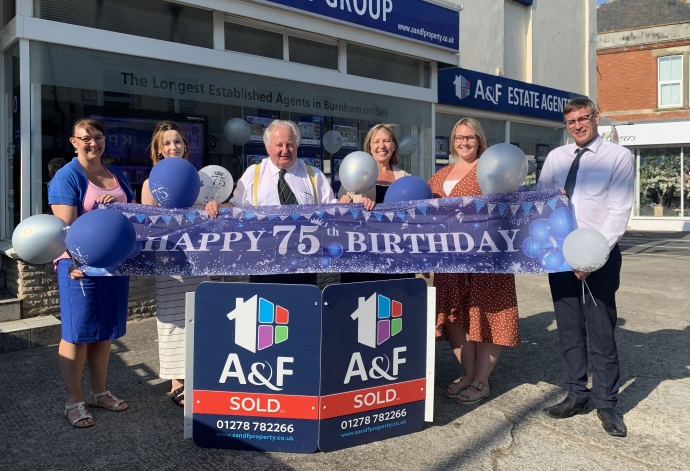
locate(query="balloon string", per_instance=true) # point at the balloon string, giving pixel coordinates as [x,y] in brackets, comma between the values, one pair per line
[81,282]
[584,283]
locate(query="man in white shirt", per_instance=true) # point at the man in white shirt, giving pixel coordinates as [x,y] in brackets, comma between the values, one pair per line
[598,178]
[280,179]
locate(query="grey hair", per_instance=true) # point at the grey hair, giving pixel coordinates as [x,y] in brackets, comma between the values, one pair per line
[278,123]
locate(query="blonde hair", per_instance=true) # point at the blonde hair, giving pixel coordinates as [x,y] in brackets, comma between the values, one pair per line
[395,157]
[474,125]
[281,123]
[157,139]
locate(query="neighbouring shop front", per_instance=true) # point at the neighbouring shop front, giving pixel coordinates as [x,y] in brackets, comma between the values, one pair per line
[662,179]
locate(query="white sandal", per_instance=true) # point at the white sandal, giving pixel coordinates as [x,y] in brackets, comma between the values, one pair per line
[83,414]
[92,401]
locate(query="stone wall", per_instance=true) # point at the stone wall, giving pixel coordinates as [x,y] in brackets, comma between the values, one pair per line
[36,287]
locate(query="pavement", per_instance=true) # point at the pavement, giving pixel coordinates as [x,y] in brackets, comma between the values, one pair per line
[505,432]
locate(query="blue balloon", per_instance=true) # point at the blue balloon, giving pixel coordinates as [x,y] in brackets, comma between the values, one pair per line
[135,251]
[335,250]
[175,183]
[532,248]
[408,188]
[551,259]
[566,267]
[101,238]
[539,230]
[561,223]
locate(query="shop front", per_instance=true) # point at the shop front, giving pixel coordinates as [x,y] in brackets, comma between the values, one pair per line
[526,115]
[132,64]
[662,179]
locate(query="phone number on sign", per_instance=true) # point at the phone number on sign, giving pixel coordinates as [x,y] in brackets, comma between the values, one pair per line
[373,419]
[260,426]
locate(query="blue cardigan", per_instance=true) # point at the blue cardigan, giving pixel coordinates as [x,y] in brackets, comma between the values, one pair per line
[70,183]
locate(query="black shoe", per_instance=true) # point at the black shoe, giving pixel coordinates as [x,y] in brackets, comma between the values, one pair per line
[565,409]
[613,425]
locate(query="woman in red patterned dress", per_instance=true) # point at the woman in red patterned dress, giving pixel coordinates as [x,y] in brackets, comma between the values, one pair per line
[477,313]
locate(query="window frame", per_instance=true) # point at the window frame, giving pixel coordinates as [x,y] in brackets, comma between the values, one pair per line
[667,82]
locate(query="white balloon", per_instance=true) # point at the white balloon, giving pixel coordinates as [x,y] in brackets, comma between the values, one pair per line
[332,141]
[502,168]
[216,184]
[407,144]
[40,238]
[358,172]
[531,167]
[237,131]
[586,249]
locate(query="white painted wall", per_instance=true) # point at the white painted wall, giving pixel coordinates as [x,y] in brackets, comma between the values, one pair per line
[559,48]
[517,40]
[481,35]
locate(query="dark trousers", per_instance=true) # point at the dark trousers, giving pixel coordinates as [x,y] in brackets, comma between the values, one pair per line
[287,279]
[578,321]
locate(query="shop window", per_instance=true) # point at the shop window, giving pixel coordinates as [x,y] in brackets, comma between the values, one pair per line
[536,142]
[317,54]
[12,195]
[259,42]
[156,19]
[383,65]
[670,81]
[660,182]
[9,10]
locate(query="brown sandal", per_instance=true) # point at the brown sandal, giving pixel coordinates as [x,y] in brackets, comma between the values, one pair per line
[475,393]
[457,386]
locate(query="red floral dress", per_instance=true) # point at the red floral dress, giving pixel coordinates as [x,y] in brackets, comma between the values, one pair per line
[482,303]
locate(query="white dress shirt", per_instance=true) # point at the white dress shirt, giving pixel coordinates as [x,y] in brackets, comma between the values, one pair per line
[603,194]
[296,177]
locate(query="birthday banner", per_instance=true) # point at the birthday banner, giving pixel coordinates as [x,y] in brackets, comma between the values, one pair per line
[508,233]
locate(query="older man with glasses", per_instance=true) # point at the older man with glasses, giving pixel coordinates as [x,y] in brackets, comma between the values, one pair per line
[598,178]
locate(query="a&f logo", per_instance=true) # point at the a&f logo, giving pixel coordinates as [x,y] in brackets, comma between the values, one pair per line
[250,337]
[373,329]
[462,87]
[246,314]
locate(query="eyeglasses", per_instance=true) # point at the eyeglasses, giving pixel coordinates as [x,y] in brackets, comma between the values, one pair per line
[584,119]
[469,139]
[88,139]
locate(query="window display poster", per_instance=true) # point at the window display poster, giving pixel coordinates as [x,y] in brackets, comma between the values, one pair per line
[336,169]
[253,154]
[310,129]
[258,122]
[350,133]
[311,157]
[441,147]
[541,151]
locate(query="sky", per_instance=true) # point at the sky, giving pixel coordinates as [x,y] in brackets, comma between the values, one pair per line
[599,2]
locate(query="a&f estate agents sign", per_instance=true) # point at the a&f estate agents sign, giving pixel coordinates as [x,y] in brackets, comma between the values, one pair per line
[373,362]
[256,366]
[470,89]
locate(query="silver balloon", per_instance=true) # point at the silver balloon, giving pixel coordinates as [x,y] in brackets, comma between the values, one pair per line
[407,144]
[358,172]
[586,249]
[332,141]
[531,167]
[501,169]
[237,131]
[40,238]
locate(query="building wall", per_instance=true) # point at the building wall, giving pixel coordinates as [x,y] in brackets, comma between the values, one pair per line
[550,43]
[627,82]
[36,287]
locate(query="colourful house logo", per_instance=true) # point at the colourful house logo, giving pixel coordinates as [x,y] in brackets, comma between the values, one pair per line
[272,323]
[378,319]
[462,87]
